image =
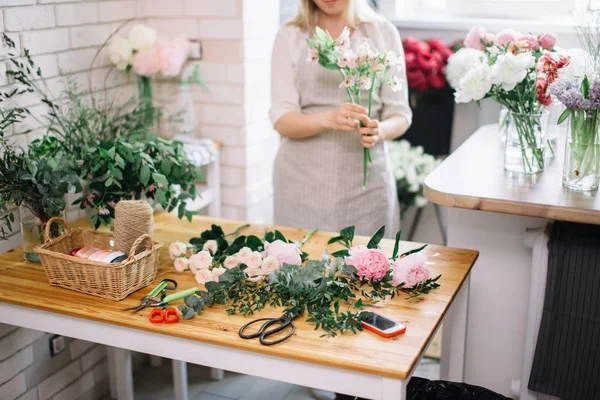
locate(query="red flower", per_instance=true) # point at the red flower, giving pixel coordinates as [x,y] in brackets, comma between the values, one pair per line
[411,60]
[416,79]
[548,73]
[410,44]
[436,80]
[541,86]
[427,62]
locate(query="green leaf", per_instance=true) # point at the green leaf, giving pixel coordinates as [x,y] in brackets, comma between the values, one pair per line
[160,178]
[212,287]
[165,166]
[408,253]
[585,87]
[191,301]
[340,253]
[111,152]
[334,239]
[397,244]
[311,43]
[348,234]
[374,242]
[119,161]
[565,114]
[145,175]
[279,236]
[188,313]
[108,182]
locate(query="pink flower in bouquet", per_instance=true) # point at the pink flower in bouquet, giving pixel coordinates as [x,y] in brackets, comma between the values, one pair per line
[254,274]
[375,66]
[177,249]
[217,272]
[146,62]
[181,264]
[395,84]
[541,87]
[506,36]
[411,270]
[370,263]
[313,55]
[547,41]
[355,250]
[532,42]
[203,275]
[285,253]
[347,59]
[255,260]
[243,256]
[365,82]
[474,37]
[173,54]
[269,265]
[201,260]
[231,262]
[103,211]
[349,81]
[391,60]
[343,40]
[210,245]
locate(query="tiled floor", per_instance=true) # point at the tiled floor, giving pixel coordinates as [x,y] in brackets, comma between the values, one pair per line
[156,384]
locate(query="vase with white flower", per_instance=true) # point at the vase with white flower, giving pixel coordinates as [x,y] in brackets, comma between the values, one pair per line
[515,70]
[361,70]
[147,55]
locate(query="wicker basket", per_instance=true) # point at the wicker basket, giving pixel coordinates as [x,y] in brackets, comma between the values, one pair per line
[109,281]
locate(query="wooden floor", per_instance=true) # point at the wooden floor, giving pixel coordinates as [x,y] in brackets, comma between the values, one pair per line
[156,384]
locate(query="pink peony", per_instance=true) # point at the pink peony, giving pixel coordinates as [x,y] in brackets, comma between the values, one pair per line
[547,41]
[210,245]
[285,253]
[474,37]
[231,262]
[173,54]
[201,260]
[217,272]
[243,256]
[181,264]
[370,263]
[269,265]
[532,42]
[177,249]
[506,36]
[146,62]
[203,275]
[411,270]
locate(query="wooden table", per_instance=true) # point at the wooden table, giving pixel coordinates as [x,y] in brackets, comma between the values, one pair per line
[508,287]
[365,365]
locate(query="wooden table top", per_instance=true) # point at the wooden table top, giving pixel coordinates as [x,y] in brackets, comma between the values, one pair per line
[473,177]
[23,283]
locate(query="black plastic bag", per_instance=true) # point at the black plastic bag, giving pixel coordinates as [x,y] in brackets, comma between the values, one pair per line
[424,389]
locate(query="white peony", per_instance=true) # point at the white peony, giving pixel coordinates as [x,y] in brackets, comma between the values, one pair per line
[120,52]
[510,69]
[460,62]
[475,84]
[142,37]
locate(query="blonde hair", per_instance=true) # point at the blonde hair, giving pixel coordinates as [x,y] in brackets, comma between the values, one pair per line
[359,12]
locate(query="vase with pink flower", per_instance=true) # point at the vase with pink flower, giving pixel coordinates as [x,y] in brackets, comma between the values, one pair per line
[515,70]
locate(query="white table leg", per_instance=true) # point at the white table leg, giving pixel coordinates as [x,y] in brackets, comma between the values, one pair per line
[123,373]
[454,337]
[393,389]
[180,380]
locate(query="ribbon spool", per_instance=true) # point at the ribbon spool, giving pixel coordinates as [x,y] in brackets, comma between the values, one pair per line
[133,218]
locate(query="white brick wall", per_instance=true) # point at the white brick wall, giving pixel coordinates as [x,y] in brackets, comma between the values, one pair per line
[27,18]
[76,14]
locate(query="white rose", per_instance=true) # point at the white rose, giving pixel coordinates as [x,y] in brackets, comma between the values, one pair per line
[203,275]
[181,264]
[120,52]
[460,62]
[217,272]
[201,260]
[142,37]
[211,245]
[254,260]
[231,262]
[474,85]
[243,256]
[511,69]
[177,249]
[269,265]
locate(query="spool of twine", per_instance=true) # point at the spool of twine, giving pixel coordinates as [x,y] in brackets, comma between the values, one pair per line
[133,218]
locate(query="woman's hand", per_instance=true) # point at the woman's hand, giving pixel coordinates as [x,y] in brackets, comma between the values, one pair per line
[345,118]
[370,134]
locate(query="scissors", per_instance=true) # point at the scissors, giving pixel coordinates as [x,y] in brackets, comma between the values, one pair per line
[263,333]
[163,301]
[167,315]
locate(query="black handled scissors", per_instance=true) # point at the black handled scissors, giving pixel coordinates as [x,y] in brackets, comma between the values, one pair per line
[263,333]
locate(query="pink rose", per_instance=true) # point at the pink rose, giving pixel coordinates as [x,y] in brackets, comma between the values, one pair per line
[201,260]
[254,274]
[203,275]
[181,264]
[217,272]
[411,270]
[506,36]
[231,262]
[269,265]
[370,263]
[243,256]
[177,249]
[285,253]
[254,260]
[547,41]
[210,245]
[173,54]
[532,42]
[474,37]
[146,62]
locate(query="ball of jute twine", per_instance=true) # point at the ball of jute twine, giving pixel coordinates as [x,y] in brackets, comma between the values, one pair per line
[133,218]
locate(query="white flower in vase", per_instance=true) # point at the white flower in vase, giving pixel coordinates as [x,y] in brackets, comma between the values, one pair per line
[142,37]
[510,69]
[120,52]
[460,62]
[475,84]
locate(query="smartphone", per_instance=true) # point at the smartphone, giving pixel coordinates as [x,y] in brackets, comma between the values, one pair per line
[382,326]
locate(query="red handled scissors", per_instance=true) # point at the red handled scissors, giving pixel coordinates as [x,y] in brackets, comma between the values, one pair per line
[167,315]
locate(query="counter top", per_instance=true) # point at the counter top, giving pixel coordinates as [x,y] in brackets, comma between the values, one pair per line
[24,284]
[473,177]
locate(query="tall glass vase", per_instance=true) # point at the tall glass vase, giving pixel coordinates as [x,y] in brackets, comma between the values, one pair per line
[145,98]
[525,142]
[581,170]
[32,231]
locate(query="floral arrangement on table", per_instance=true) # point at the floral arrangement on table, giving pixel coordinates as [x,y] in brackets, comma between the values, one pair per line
[106,145]
[253,273]
[425,63]
[361,70]
[515,70]
[411,165]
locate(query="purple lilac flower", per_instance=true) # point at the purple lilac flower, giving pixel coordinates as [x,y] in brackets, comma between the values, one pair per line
[594,94]
[569,94]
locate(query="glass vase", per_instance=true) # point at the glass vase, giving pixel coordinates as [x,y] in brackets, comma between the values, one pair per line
[32,232]
[503,123]
[525,142]
[582,153]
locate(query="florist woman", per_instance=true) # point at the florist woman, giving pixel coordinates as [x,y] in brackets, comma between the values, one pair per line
[319,168]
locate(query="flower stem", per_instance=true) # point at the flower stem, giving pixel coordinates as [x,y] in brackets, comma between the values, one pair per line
[367,152]
[236,233]
[308,236]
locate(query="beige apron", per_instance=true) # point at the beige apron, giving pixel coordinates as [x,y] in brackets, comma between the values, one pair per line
[318,181]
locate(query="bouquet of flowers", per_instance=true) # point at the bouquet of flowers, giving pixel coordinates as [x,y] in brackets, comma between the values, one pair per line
[248,274]
[360,70]
[515,70]
[411,165]
[425,62]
